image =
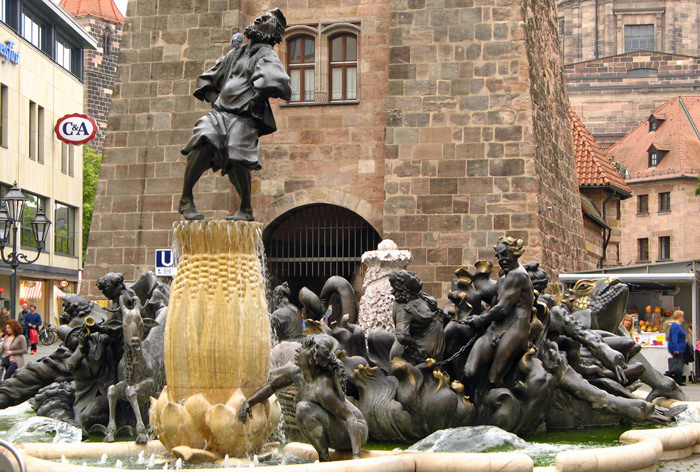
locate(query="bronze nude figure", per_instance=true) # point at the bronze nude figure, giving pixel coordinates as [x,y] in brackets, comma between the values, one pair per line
[325,416]
[238,87]
[507,322]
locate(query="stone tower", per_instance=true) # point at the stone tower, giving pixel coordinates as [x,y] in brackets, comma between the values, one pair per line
[103,20]
[458,132]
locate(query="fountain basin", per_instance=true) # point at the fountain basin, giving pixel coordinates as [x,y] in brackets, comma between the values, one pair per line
[647,449]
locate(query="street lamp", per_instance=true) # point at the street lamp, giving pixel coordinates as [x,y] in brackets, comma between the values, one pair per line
[11,211]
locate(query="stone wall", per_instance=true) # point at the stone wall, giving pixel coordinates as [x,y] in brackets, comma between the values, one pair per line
[611,104]
[455,138]
[165,46]
[478,139]
[589,36]
[680,223]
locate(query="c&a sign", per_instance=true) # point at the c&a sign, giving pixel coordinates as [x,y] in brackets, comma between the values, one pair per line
[76,129]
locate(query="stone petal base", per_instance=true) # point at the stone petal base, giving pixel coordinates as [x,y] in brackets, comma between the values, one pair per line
[198,424]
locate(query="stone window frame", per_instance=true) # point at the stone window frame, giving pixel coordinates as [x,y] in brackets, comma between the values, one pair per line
[664,253]
[641,16]
[643,250]
[664,202]
[322,32]
[643,204]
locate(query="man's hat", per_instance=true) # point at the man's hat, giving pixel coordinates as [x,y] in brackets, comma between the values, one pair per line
[280,17]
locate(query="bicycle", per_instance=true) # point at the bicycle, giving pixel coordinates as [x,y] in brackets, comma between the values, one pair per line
[48,334]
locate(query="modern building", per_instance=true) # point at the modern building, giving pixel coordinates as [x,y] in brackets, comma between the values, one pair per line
[662,161]
[602,191]
[625,58]
[420,122]
[41,80]
[104,22]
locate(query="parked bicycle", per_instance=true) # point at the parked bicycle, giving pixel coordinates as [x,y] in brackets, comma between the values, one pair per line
[48,334]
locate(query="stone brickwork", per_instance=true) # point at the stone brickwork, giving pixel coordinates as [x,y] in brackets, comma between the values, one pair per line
[680,223]
[587,35]
[453,141]
[465,112]
[612,104]
[100,66]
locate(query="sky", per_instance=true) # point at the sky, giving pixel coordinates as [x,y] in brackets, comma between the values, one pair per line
[121,4]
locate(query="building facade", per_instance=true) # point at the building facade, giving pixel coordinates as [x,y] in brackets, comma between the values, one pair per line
[662,161]
[602,190]
[417,121]
[623,59]
[41,86]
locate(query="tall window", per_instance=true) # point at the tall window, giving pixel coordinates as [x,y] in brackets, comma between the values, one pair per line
[642,203]
[301,60]
[34,202]
[64,54]
[343,67]
[40,134]
[33,131]
[64,232]
[4,115]
[665,201]
[639,38]
[32,30]
[643,249]
[67,158]
[664,248]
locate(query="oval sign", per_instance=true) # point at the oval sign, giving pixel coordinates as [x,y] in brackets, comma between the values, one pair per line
[76,129]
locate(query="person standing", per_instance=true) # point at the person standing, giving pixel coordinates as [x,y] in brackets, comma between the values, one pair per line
[14,346]
[22,319]
[33,320]
[676,346]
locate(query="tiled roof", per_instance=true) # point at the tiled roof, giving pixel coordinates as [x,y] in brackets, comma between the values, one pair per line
[678,134]
[103,9]
[593,167]
[592,212]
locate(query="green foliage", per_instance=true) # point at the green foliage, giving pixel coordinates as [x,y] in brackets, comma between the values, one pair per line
[91,173]
[697,187]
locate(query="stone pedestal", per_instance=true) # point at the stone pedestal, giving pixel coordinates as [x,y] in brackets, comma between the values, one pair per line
[217,341]
[377,303]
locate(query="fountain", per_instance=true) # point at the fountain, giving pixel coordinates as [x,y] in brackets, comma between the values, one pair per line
[217,342]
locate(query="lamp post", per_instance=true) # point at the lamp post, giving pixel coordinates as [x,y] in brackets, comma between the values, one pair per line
[11,212]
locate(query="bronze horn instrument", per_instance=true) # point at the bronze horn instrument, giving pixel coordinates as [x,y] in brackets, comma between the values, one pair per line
[88,323]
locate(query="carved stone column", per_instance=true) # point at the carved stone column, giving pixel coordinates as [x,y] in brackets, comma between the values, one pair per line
[377,303]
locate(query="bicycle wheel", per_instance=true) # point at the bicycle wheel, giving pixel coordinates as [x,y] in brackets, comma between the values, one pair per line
[45,337]
[53,336]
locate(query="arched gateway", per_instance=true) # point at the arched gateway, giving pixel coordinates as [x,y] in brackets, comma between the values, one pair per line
[308,244]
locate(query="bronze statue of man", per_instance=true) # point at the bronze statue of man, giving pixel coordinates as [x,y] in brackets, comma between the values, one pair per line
[238,86]
[507,321]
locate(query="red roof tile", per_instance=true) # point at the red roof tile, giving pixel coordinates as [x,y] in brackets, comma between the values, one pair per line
[104,9]
[593,167]
[678,134]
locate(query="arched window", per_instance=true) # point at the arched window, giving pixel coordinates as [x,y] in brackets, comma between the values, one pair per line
[301,56]
[106,40]
[343,67]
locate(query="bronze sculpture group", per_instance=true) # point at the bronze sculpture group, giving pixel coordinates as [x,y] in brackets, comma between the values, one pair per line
[502,352]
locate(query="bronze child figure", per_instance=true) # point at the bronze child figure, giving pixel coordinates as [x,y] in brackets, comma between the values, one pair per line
[325,416]
[238,86]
